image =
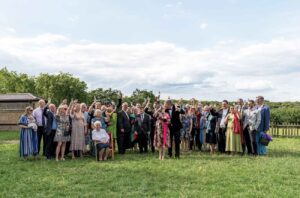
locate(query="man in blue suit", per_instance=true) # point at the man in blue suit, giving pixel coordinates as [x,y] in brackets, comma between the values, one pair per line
[264,124]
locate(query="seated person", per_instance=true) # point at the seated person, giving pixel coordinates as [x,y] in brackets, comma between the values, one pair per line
[101,140]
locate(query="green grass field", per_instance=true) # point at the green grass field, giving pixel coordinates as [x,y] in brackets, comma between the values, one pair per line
[134,175]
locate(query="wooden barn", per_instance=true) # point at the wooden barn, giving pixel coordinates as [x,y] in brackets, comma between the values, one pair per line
[12,106]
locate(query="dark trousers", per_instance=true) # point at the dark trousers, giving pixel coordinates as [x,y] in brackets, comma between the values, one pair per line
[143,143]
[250,140]
[41,134]
[222,140]
[176,135]
[49,144]
[194,138]
[123,142]
[152,139]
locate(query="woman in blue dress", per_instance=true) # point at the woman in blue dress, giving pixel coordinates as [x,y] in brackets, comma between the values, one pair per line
[28,135]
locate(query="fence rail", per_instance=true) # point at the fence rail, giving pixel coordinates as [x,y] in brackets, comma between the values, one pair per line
[285,130]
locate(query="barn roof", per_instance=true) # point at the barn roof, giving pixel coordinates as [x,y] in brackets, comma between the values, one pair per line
[18,97]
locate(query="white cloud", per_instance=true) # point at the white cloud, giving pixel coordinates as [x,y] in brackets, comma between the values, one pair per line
[229,70]
[73,18]
[11,30]
[203,26]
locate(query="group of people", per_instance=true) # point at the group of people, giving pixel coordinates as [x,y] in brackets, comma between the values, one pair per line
[102,129]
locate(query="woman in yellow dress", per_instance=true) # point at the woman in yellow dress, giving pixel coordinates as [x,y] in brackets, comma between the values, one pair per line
[233,132]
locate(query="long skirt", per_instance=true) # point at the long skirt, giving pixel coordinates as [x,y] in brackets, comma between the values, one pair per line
[261,149]
[28,142]
[233,141]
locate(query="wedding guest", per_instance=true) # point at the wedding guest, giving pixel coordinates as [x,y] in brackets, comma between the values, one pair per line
[62,134]
[252,119]
[101,140]
[98,117]
[233,139]
[91,112]
[133,111]
[241,107]
[186,130]
[28,135]
[211,117]
[77,137]
[264,124]
[195,132]
[175,125]
[112,124]
[222,126]
[87,139]
[38,114]
[150,112]
[142,127]
[50,113]
[162,132]
[123,129]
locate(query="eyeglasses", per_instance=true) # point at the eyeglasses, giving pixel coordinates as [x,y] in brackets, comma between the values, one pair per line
[30,109]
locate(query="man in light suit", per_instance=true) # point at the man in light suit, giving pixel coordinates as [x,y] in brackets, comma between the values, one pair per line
[251,122]
[264,124]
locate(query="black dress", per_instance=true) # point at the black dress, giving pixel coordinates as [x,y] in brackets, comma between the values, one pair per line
[211,136]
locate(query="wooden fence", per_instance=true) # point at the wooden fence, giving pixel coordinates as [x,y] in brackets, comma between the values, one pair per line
[285,130]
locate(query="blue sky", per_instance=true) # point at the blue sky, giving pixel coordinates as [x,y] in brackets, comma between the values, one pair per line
[203,49]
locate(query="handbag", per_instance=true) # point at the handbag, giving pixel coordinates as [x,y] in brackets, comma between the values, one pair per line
[66,133]
[265,139]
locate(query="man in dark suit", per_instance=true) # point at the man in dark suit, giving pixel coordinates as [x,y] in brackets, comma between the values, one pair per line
[123,129]
[222,126]
[174,111]
[49,113]
[142,128]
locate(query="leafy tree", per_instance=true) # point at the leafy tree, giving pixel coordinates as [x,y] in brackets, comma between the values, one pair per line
[61,86]
[103,95]
[12,82]
[139,96]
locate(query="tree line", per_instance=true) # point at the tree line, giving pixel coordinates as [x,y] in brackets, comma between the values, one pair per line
[58,87]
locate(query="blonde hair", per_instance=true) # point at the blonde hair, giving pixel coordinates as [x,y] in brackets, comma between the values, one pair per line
[97,111]
[27,110]
[58,112]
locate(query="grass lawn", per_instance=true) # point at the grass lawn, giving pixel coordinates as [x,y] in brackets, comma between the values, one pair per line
[134,175]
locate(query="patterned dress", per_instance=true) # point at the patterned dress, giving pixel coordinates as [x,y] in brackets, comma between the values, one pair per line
[233,140]
[62,131]
[162,133]
[186,124]
[77,136]
[28,139]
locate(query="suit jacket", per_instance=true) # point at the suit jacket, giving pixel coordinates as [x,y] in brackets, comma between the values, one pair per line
[220,114]
[176,124]
[153,118]
[251,118]
[142,126]
[50,118]
[123,122]
[265,119]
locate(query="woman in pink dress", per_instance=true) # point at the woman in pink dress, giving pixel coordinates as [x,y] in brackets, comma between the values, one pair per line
[162,133]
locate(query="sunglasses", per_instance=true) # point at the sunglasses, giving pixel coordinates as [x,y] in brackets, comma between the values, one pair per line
[30,109]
